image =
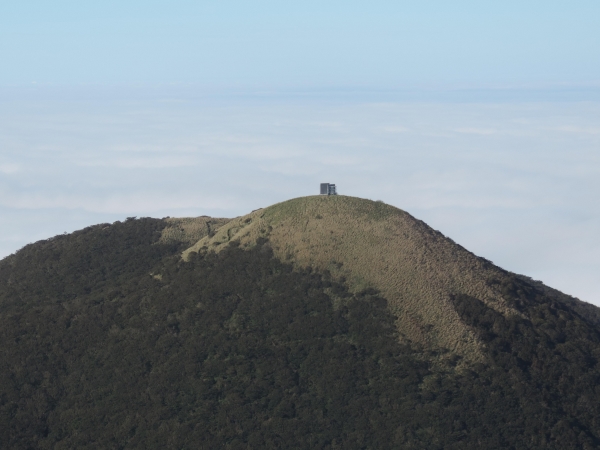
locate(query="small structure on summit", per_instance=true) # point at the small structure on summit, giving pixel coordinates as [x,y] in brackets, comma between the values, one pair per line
[328,189]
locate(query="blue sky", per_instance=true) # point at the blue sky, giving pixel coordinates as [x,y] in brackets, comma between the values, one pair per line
[480,118]
[309,43]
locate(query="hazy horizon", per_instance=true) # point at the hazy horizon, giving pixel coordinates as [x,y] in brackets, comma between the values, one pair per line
[480,119]
[513,181]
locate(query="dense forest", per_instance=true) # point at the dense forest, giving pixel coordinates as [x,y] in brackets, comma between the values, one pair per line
[110,340]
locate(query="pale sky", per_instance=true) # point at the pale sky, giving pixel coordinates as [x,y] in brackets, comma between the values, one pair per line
[482,120]
[306,43]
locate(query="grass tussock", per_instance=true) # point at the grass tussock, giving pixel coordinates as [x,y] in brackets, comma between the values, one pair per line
[372,245]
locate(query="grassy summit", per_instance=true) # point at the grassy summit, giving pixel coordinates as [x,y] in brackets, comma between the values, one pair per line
[374,245]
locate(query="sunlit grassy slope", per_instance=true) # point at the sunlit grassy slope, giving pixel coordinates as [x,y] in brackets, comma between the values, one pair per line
[374,245]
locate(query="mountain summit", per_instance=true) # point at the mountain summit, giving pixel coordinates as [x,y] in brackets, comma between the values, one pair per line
[319,322]
[372,245]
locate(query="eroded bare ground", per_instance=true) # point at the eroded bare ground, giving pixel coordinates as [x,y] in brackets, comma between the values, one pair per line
[190,229]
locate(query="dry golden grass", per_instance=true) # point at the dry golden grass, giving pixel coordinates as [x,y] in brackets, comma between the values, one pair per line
[372,244]
[190,229]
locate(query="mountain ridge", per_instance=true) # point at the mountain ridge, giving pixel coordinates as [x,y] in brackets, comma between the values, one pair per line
[281,329]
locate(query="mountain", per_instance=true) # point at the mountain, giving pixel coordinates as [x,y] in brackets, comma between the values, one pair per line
[320,322]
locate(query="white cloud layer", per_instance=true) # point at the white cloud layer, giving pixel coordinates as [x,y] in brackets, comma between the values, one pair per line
[517,183]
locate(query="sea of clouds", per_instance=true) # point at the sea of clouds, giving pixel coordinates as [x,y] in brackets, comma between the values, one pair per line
[514,180]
